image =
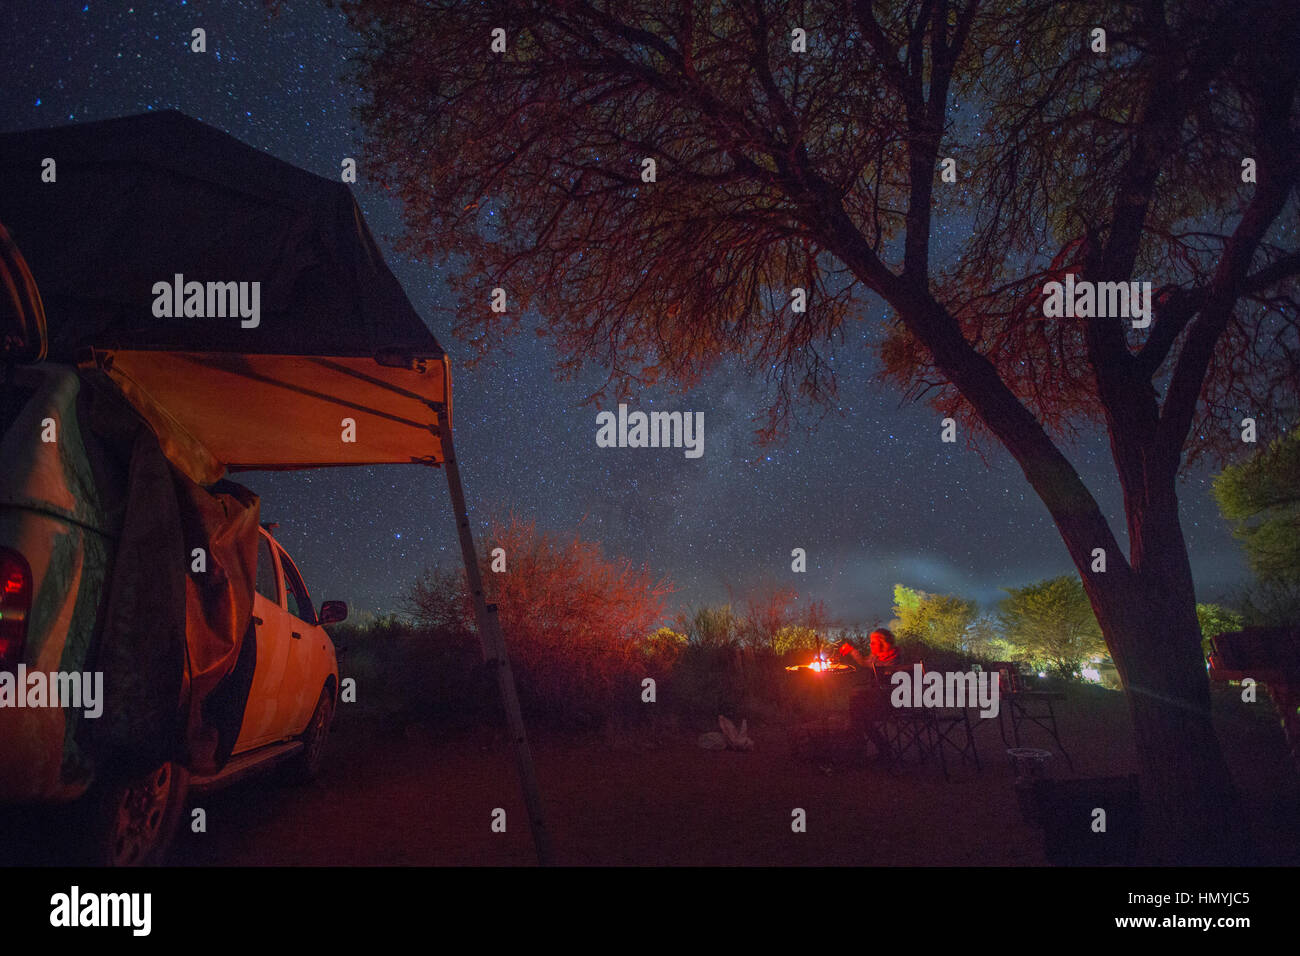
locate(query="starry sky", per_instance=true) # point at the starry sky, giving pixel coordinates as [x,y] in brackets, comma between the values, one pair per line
[871,494]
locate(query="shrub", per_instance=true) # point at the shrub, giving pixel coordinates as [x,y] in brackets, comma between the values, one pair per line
[574,620]
[794,637]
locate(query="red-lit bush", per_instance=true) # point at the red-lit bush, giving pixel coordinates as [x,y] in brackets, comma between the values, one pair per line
[574,619]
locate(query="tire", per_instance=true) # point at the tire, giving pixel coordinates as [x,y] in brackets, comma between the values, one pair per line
[304,766]
[133,816]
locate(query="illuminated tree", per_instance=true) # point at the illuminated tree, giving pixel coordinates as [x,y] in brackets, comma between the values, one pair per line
[1052,621]
[1215,619]
[939,620]
[788,176]
[1261,496]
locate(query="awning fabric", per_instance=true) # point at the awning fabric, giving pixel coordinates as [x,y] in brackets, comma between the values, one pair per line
[163,198]
[277,412]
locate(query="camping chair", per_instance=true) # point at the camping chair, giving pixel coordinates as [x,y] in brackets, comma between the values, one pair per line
[1022,705]
[952,727]
[915,731]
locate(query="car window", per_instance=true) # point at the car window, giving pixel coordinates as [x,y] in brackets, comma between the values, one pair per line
[297,600]
[266,585]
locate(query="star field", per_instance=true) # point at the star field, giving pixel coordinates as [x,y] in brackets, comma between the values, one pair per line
[871,493]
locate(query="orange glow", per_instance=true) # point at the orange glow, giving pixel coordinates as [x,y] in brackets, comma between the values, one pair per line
[820,666]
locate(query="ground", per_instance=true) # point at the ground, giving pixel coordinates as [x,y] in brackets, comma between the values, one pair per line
[414,796]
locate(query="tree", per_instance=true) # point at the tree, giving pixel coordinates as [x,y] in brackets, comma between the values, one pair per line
[711,626]
[984,638]
[776,170]
[1052,621]
[1261,496]
[939,620]
[1215,619]
[575,619]
[438,600]
[768,609]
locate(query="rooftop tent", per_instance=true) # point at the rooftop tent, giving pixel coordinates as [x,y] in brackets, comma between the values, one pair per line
[242,307]
[161,200]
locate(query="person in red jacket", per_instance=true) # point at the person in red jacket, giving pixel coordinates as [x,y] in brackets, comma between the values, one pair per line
[869,706]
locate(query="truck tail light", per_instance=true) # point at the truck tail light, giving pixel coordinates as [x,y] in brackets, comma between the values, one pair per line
[15,604]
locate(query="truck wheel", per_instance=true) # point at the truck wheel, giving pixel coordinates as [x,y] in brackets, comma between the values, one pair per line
[304,766]
[134,816]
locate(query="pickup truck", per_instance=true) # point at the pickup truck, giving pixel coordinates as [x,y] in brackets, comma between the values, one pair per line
[59,520]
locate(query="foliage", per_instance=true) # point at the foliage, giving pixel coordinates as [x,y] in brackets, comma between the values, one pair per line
[794,637]
[984,639]
[768,610]
[779,170]
[664,646]
[1052,621]
[573,618]
[438,601]
[711,626]
[1215,619]
[1261,497]
[1272,604]
[938,620]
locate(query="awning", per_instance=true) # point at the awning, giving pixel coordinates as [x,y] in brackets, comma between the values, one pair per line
[214,411]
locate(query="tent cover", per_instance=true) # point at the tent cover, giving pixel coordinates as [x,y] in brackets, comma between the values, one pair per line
[239,302]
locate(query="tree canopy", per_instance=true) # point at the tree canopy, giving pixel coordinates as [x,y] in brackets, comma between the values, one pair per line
[1052,620]
[1261,496]
[778,169]
[939,620]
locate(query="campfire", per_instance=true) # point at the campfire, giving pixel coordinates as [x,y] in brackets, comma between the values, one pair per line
[820,665]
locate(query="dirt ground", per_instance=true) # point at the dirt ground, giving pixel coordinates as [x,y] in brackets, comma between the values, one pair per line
[410,796]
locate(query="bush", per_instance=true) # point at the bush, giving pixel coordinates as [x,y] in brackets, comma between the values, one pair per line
[663,647]
[711,626]
[406,673]
[794,637]
[574,620]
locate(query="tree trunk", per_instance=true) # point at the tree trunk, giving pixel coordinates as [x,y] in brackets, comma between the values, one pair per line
[1146,606]
[1191,810]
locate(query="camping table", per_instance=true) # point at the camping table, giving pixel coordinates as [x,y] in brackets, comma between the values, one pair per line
[1033,706]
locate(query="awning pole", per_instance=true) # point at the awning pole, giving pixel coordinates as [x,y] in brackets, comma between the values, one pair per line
[494,645]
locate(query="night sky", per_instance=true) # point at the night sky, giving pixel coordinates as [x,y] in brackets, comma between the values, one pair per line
[871,494]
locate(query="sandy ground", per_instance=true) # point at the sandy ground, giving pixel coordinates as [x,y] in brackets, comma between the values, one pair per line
[410,796]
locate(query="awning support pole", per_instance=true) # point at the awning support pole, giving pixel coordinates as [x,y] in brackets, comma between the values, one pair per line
[494,645]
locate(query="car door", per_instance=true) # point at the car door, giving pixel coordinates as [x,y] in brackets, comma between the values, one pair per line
[304,675]
[262,713]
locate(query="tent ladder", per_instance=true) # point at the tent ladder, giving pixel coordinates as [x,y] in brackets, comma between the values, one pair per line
[494,645]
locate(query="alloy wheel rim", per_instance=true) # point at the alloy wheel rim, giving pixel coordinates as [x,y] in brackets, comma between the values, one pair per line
[139,818]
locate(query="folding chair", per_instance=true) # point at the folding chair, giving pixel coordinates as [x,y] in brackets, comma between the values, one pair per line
[919,731]
[1022,705]
[952,727]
